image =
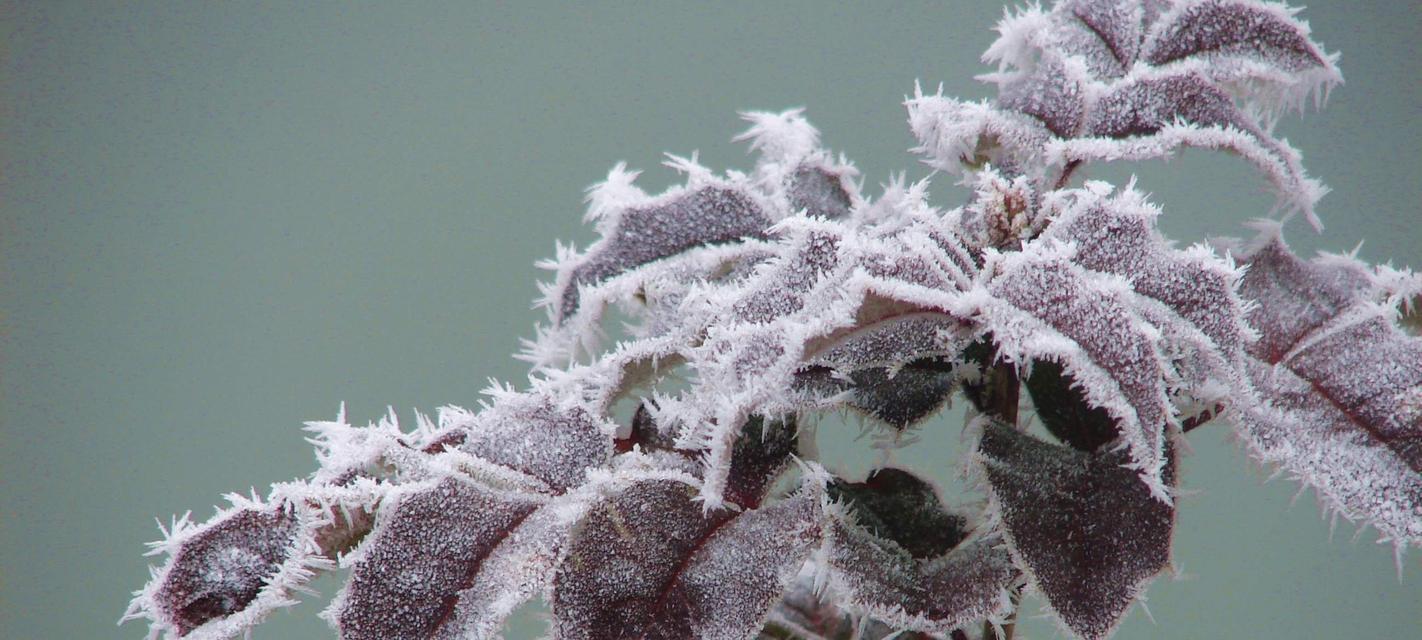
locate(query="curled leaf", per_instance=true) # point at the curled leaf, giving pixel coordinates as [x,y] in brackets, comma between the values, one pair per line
[228,574]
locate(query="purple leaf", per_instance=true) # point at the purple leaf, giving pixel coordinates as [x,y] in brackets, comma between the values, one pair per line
[892,342]
[900,369]
[1118,236]
[1116,24]
[1295,298]
[1064,410]
[1189,295]
[1149,79]
[648,563]
[896,505]
[903,398]
[795,170]
[1144,107]
[228,574]
[762,451]
[221,570]
[556,445]
[638,229]
[1266,33]
[1045,306]
[1342,385]
[898,555]
[1051,93]
[429,544]
[779,290]
[1088,534]
[819,192]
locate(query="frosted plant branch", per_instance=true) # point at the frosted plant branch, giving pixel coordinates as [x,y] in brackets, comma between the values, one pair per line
[754,302]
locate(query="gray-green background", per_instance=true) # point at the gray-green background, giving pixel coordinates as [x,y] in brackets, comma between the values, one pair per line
[222,219]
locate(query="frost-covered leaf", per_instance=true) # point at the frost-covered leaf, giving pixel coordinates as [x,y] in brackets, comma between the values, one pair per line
[556,445]
[1190,295]
[779,289]
[892,342]
[1040,305]
[1152,115]
[795,170]
[761,453]
[1051,93]
[638,229]
[900,398]
[1088,534]
[429,545]
[896,505]
[953,134]
[648,563]
[898,370]
[1064,411]
[896,554]
[228,574]
[1226,31]
[1118,235]
[1124,79]
[1342,384]
[804,613]
[221,570]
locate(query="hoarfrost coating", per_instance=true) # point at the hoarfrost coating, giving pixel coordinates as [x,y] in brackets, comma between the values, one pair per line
[754,302]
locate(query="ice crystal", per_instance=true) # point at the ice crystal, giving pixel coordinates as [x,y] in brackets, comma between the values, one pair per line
[754,302]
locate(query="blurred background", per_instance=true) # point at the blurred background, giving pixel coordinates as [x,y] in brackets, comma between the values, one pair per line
[218,220]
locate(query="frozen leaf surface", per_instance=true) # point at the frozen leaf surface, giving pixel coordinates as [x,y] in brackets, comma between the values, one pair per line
[1044,306]
[794,170]
[898,370]
[222,569]
[1342,384]
[896,505]
[1065,412]
[1062,514]
[647,563]
[228,574]
[638,229]
[1219,30]
[1118,79]
[1189,295]
[429,544]
[528,434]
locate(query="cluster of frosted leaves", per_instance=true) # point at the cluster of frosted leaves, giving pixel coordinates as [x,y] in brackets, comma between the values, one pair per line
[1340,382]
[1119,335]
[1103,80]
[755,301]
